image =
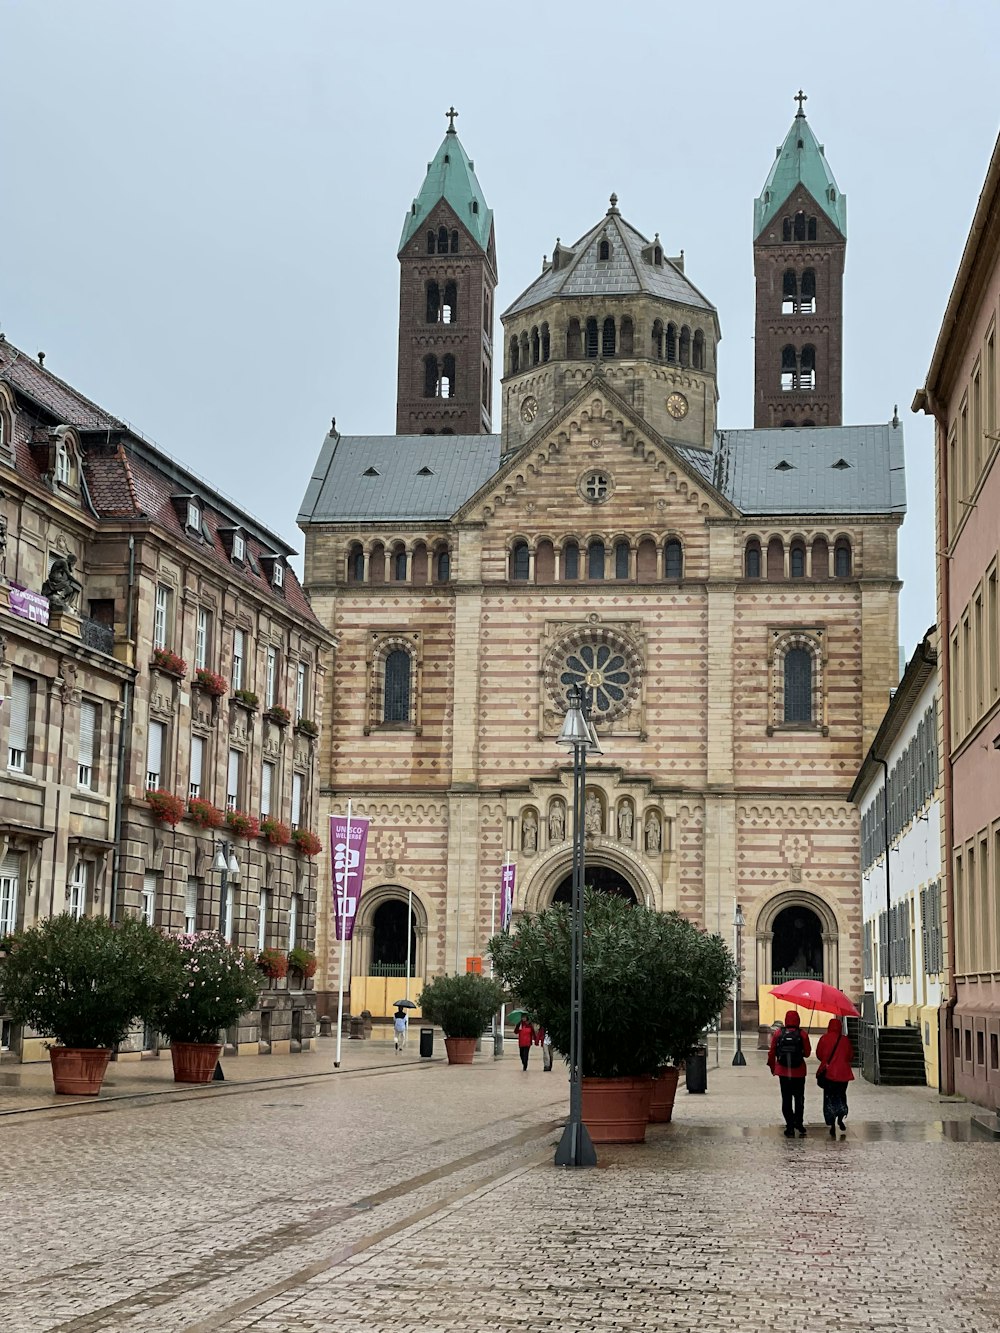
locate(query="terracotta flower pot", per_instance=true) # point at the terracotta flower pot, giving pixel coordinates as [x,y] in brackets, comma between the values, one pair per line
[661,1104]
[460,1050]
[78,1071]
[194,1061]
[616,1110]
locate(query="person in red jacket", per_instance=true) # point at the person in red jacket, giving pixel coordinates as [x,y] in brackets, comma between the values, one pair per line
[835,1055]
[786,1059]
[525,1034]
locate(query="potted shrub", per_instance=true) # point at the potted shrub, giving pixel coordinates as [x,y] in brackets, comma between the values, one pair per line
[279,715]
[302,961]
[306,727]
[164,660]
[84,982]
[275,832]
[247,698]
[462,1005]
[305,842]
[218,983]
[211,682]
[652,981]
[204,813]
[273,963]
[242,825]
[166,807]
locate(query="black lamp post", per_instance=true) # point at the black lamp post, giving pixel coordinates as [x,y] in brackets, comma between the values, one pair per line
[739,922]
[575,1147]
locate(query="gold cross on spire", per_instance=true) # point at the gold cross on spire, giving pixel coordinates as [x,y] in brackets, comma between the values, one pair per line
[800,97]
[451,113]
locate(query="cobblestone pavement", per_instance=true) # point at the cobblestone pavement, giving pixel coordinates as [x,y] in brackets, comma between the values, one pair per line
[399,1195]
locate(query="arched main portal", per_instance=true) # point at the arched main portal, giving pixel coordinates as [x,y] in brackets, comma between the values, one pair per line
[603,878]
[796,945]
[389,946]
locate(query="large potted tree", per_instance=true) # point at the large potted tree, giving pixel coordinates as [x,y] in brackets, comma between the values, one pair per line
[85,982]
[462,1006]
[651,982]
[217,984]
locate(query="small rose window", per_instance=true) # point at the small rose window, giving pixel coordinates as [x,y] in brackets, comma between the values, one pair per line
[596,487]
[603,670]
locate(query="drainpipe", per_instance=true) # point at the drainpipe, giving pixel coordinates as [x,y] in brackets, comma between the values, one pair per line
[888,898]
[123,734]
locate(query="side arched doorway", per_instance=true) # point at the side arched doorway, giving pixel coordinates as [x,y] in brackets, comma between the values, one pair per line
[606,879]
[390,955]
[380,973]
[797,935]
[796,945]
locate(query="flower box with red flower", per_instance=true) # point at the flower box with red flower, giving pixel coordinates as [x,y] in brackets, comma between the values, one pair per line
[164,660]
[273,963]
[210,682]
[247,698]
[303,961]
[275,832]
[278,715]
[204,813]
[306,727]
[166,807]
[242,825]
[305,842]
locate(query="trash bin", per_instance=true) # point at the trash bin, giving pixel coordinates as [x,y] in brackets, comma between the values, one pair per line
[696,1069]
[427,1042]
[497,1044]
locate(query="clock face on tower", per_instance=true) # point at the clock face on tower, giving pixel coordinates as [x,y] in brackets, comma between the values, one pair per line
[529,409]
[677,406]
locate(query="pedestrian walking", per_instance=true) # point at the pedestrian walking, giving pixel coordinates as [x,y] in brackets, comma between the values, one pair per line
[786,1059]
[545,1041]
[835,1055]
[400,1024]
[525,1034]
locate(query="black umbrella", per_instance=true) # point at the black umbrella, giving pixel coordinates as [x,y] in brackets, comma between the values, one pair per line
[405,1004]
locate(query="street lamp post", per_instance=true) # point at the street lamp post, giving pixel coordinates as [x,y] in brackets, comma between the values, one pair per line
[575,1147]
[228,866]
[739,922]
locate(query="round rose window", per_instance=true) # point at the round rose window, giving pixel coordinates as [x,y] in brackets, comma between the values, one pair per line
[601,662]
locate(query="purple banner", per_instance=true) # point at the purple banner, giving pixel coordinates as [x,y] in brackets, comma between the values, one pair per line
[507,877]
[348,868]
[29,605]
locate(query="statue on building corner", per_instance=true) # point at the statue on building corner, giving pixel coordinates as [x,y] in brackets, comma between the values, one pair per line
[61,587]
[652,832]
[593,819]
[625,822]
[529,831]
[557,822]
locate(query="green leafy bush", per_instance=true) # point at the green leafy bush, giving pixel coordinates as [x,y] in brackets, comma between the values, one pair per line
[84,981]
[302,960]
[651,982]
[462,1004]
[217,984]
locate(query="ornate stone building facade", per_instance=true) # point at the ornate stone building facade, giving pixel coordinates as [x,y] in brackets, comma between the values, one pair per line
[728,597]
[148,626]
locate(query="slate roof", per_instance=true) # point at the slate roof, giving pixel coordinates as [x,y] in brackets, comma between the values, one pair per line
[807,470]
[407,478]
[451,176]
[625,273]
[800,159]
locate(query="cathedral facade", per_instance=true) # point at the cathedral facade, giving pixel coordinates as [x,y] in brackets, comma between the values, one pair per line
[729,598]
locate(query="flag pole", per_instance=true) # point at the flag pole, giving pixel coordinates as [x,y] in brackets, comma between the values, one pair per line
[343,930]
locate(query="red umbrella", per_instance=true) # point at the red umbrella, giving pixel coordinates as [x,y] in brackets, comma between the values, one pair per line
[817,995]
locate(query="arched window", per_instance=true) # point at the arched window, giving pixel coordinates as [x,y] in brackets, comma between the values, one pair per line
[545,562]
[811,229]
[621,560]
[797,560]
[807,297]
[442,240]
[807,368]
[595,560]
[671,342]
[430,243]
[524,349]
[789,291]
[442,565]
[515,356]
[520,562]
[399,565]
[626,337]
[418,565]
[447,383]
[645,560]
[396,687]
[657,347]
[657,256]
[603,251]
[447,430]
[536,346]
[789,368]
[799,227]
[433,303]
[842,558]
[673,559]
[820,558]
[546,346]
[592,340]
[454,240]
[775,559]
[751,559]
[608,337]
[376,563]
[449,311]
[570,561]
[430,376]
[698,350]
[798,686]
[356,564]
[574,340]
[685,356]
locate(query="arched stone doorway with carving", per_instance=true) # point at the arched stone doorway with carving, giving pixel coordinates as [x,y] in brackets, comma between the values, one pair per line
[380,971]
[797,935]
[608,869]
[606,879]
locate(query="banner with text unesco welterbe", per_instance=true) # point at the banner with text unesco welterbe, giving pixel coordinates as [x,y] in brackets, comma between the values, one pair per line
[347,854]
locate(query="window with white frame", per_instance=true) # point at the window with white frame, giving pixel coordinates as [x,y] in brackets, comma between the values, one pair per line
[267,787]
[197,765]
[262,920]
[161,616]
[301,681]
[202,638]
[293,920]
[64,469]
[278,574]
[194,515]
[10,883]
[155,749]
[233,775]
[148,908]
[297,786]
[271,684]
[239,546]
[76,890]
[191,906]
[88,735]
[239,657]
[18,756]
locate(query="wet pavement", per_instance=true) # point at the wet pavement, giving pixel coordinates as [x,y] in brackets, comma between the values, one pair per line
[399,1194]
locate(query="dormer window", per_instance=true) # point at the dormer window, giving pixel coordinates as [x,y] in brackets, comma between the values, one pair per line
[278,574]
[194,515]
[603,250]
[239,546]
[63,468]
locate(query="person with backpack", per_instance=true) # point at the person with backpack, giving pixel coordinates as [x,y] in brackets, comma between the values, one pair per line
[835,1054]
[786,1060]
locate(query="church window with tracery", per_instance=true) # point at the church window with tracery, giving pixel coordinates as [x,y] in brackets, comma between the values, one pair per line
[396,687]
[520,562]
[596,487]
[673,559]
[601,660]
[798,686]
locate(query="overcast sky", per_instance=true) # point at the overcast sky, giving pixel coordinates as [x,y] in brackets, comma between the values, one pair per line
[202,199]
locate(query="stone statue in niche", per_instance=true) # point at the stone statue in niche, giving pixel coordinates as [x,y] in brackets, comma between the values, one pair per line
[625,822]
[593,821]
[61,587]
[557,822]
[652,833]
[529,831]
[3,546]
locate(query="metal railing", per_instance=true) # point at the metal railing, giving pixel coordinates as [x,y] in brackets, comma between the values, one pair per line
[98,636]
[778,978]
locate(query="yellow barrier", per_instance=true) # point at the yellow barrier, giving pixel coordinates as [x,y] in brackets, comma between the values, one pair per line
[379,995]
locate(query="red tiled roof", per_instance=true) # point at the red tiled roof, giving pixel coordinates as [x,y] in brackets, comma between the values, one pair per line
[52,393]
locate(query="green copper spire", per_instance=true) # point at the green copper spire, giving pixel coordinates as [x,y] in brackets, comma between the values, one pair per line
[452,177]
[800,160]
